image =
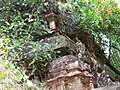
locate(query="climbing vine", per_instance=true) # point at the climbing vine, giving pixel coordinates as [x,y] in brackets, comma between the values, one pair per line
[21,29]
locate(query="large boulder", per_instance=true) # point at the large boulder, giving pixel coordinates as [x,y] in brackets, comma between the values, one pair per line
[64,65]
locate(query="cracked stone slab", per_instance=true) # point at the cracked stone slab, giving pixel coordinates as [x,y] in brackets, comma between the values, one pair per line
[57,41]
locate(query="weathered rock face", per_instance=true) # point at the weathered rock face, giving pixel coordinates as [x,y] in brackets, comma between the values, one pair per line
[69,73]
[78,67]
[63,65]
[57,41]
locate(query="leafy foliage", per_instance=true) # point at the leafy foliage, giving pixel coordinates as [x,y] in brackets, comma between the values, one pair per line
[20,24]
[101,18]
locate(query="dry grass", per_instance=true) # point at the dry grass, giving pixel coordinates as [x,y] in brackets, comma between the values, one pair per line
[7,80]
